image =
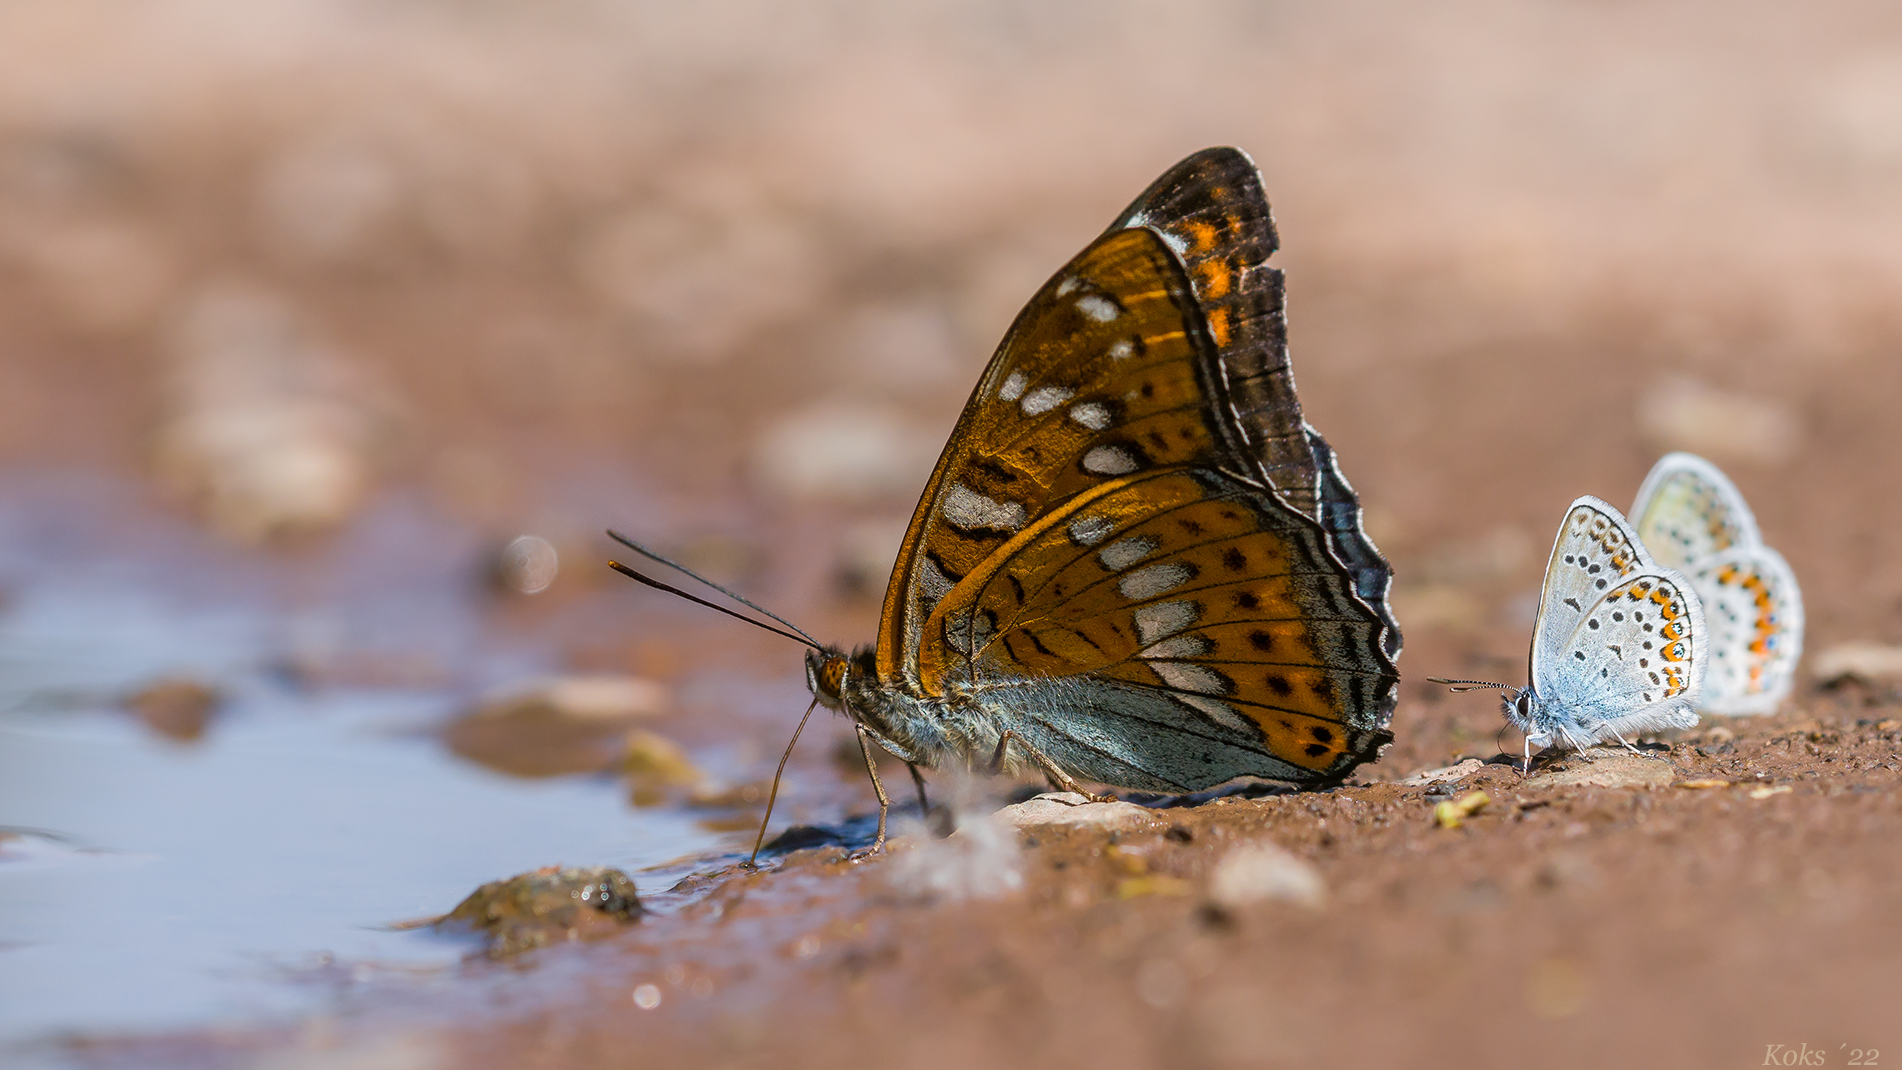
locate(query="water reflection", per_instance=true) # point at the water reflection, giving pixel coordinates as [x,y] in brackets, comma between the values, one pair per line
[154,883]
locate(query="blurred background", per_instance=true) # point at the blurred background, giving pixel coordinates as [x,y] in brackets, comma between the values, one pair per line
[332,334]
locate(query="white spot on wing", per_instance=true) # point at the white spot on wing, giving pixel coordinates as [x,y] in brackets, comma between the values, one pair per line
[1181,646]
[1109,461]
[1100,309]
[1045,398]
[1091,414]
[967,510]
[1188,677]
[1123,553]
[1068,286]
[1219,712]
[1013,387]
[1121,350]
[1145,583]
[1163,619]
[1090,530]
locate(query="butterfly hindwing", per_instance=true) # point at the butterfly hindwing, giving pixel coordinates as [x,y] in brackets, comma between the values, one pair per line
[1217,613]
[1340,518]
[1754,612]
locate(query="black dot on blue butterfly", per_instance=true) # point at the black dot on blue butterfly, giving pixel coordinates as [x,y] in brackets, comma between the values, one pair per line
[1601,582]
[1594,570]
[1618,616]
[1579,654]
[1593,623]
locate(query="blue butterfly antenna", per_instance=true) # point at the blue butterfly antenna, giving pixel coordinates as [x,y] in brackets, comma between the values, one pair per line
[796,634]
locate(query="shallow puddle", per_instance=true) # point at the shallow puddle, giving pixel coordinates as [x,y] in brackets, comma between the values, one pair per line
[149,884]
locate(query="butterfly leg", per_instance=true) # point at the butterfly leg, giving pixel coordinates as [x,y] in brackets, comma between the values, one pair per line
[1576,745]
[1058,779]
[884,803]
[918,781]
[1628,746]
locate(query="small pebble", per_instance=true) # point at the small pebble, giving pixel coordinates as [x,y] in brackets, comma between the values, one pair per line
[1069,808]
[176,709]
[1609,769]
[1868,662]
[569,724]
[1265,872]
[547,906]
[654,766]
[1452,813]
[1459,771]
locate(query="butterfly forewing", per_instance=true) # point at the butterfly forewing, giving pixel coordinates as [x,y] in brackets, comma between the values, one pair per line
[1688,510]
[1097,379]
[1213,212]
[1594,552]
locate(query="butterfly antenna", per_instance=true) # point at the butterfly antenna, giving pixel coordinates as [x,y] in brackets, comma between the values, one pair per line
[1462,686]
[656,584]
[773,795]
[678,567]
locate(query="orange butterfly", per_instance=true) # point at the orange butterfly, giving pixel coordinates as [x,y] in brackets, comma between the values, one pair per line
[1135,563]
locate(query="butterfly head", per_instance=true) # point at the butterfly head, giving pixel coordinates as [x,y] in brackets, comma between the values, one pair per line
[829,673]
[1517,703]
